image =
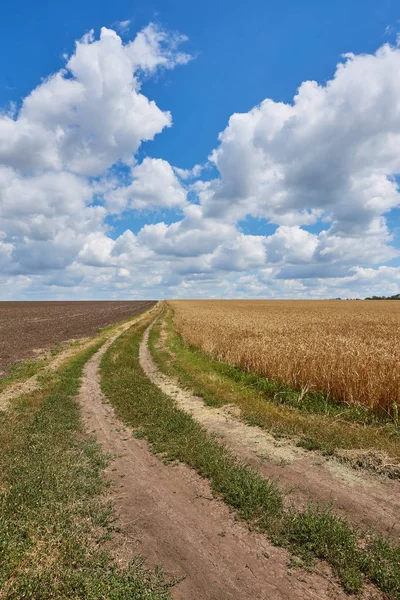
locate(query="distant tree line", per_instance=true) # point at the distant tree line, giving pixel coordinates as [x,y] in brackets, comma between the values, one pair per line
[395,297]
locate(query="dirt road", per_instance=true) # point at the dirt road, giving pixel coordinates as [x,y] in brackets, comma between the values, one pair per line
[168,514]
[367,500]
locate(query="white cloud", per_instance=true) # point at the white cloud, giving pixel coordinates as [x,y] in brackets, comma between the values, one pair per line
[96,251]
[193,236]
[101,251]
[189,173]
[74,125]
[333,152]
[154,185]
[47,194]
[303,255]
[243,253]
[91,114]
[154,47]
[123,26]
[291,245]
[329,158]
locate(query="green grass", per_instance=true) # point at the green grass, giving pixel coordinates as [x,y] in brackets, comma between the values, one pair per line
[313,533]
[310,418]
[28,368]
[55,519]
[21,371]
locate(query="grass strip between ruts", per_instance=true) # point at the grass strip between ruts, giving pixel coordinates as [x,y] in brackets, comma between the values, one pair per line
[314,532]
[55,518]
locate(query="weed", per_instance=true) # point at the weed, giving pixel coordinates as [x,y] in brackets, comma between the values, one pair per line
[317,532]
[396,415]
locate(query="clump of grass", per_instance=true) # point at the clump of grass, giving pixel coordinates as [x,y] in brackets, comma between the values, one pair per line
[21,371]
[58,346]
[382,562]
[312,444]
[320,425]
[54,516]
[314,533]
[317,532]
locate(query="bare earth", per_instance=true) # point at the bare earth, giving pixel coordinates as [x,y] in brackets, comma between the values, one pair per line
[169,515]
[366,499]
[27,327]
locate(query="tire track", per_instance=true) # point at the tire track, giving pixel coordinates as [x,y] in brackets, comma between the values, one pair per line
[169,515]
[368,500]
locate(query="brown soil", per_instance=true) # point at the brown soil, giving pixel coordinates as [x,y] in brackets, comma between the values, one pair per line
[26,327]
[168,514]
[366,499]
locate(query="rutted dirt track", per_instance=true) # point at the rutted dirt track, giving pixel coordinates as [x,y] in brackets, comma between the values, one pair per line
[26,327]
[367,500]
[169,515]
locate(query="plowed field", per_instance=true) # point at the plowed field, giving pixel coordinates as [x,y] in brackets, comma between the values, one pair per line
[26,327]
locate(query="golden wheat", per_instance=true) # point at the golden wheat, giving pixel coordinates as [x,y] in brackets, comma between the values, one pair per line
[348,349]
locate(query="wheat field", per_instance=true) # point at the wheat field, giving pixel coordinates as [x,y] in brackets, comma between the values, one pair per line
[349,350]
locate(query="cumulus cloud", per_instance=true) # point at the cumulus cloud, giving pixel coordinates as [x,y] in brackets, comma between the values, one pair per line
[291,245]
[192,236]
[333,152]
[302,254]
[154,184]
[189,173]
[91,114]
[242,253]
[101,251]
[47,194]
[70,129]
[322,169]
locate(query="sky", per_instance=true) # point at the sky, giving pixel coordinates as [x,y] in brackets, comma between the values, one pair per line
[160,149]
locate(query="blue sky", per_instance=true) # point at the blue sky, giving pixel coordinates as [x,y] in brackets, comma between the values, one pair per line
[245,52]
[293,187]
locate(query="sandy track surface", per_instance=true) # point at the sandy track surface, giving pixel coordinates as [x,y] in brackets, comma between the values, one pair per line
[26,328]
[168,514]
[367,500]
